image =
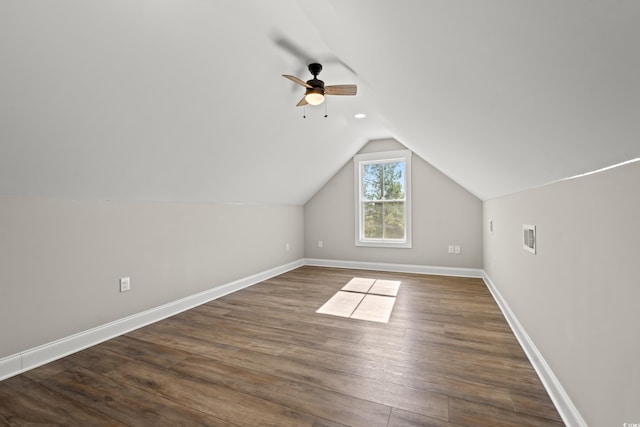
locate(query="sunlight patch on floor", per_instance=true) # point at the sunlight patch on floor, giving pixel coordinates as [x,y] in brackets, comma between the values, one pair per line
[359,284]
[385,287]
[342,304]
[375,308]
[363,299]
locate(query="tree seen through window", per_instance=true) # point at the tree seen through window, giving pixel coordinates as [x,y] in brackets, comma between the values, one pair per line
[383,198]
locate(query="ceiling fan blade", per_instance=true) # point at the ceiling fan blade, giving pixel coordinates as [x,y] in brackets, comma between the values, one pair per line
[297,80]
[292,48]
[302,102]
[348,90]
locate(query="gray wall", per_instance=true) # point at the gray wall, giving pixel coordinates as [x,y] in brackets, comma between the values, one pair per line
[443,214]
[578,298]
[60,261]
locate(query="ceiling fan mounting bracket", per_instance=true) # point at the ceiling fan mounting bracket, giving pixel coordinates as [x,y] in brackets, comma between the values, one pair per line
[315,68]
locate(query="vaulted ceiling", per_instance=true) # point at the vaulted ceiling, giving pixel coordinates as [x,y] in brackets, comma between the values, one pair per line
[183,100]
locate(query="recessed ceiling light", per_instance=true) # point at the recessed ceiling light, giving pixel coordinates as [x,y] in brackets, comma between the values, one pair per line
[360,116]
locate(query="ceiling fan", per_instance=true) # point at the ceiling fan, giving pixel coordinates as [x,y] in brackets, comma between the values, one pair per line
[316,90]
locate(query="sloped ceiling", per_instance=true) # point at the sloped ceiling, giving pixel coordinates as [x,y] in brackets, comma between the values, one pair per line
[183,100]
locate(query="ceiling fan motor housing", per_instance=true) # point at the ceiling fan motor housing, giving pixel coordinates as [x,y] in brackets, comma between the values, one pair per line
[316,83]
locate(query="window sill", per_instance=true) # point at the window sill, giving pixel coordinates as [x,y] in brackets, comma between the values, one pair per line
[383,244]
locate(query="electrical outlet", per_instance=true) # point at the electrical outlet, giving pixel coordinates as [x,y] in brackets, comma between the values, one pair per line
[125,284]
[287,247]
[450,249]
[457,250]
[320,243]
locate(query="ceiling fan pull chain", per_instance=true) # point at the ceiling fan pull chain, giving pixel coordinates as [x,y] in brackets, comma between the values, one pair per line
[325,108]
[304,112]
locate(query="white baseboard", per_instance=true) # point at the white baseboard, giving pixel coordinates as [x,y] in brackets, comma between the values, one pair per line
[10,366]
[32,358]
[559,396]
[399,268]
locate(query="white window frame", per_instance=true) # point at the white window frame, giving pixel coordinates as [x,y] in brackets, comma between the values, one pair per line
[382,157]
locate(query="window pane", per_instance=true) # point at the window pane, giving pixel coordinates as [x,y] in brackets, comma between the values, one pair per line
[372,181]
[383,197]
[394,220]
[393,180]
[373,220]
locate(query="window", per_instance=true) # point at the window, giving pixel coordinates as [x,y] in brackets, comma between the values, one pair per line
[383,199]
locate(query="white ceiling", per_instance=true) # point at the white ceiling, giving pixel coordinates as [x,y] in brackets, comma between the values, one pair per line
[183,100]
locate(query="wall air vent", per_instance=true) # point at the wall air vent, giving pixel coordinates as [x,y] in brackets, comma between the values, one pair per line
[529,238]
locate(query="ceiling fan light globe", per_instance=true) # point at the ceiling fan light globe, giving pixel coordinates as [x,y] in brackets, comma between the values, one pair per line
[314,97]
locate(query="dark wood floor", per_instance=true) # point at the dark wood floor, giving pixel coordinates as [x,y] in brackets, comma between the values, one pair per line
[262,356]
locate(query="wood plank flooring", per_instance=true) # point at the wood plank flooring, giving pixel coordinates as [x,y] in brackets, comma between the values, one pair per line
[262,356]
